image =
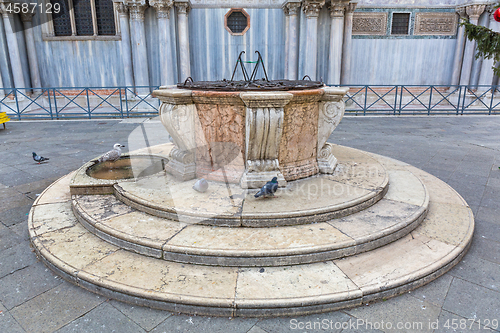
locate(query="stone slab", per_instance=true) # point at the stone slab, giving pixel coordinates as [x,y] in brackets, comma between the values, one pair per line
[67,303]
[164,280]
[258,241]
[290,286]
[406,187]
[57,192]
[397,263]
[50,217]
[447,223]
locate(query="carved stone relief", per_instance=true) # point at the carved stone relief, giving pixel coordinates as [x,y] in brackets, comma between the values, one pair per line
[436,24]
[368,23]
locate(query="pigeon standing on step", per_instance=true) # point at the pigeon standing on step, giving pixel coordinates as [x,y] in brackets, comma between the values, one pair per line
[268,189]
[111,155]
[39,159]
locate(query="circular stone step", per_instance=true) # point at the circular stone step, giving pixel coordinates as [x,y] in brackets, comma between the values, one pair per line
[389,219]
[358,182]
[431,249]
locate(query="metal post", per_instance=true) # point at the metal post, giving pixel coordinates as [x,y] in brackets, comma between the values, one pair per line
[17,104]
[121,102]
[88,102]
[50,104]
[430,100]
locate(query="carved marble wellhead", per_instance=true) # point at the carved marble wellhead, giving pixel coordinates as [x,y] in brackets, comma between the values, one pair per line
[250,137]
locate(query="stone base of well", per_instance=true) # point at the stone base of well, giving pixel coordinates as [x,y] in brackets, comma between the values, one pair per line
[419,230]
[254,135]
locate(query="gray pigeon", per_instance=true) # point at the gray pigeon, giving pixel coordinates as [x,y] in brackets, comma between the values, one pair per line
[201,185]
[111,155]
[268,189]
[39,159]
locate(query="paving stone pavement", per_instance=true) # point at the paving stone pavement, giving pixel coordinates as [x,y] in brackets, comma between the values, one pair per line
[464,151]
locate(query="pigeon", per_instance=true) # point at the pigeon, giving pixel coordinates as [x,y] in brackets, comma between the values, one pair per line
[111,155]
[268,189]
[201,185]
[39,159]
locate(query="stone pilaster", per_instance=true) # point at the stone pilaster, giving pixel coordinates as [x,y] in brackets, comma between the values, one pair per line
[347,44]
[331,111]
[264,126]
[36,82]
[473,11]
[14,55]
[292,10]
[136,10]
[336,39]
[126,50]
[183,7]
[178,114]
[311,9]
[459,50]
[163,8]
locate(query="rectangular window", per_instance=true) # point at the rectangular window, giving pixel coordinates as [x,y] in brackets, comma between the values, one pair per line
[400,24]
[62,20]
[83,18]
[105,17]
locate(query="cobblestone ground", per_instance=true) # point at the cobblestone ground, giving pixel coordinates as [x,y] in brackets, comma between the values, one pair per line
[463,151]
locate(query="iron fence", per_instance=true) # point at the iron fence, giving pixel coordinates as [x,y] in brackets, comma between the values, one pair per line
[80,102]
[126,102]
[418,99]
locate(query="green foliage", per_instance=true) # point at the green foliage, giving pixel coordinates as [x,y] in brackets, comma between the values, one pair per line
[487,42]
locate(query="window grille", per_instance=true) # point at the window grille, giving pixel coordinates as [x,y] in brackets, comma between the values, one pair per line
[62,20]
[237,21]
[105,17]
[400,24]
[83,18]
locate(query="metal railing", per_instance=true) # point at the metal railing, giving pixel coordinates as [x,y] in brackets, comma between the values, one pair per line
[86,102]
[126,102]
[419,99]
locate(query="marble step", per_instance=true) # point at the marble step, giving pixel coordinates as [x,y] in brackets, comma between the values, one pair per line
[428,251]
[358,182]
[393,217]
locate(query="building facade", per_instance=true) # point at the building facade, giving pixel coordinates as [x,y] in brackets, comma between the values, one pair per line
[100,43]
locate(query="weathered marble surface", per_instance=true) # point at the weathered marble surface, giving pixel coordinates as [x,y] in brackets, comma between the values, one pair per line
[297,155]
[222,118]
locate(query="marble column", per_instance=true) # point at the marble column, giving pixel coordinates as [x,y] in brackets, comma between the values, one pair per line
[126,51]
[347,45]
[486,75]
[14,55]
[183,7]
[336,39]
[459,50]
[264,126]
[287,38]
[474,11]
[311,9]
[136,10]
[36,82]
[484,21]
[292,10]
[163,8]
